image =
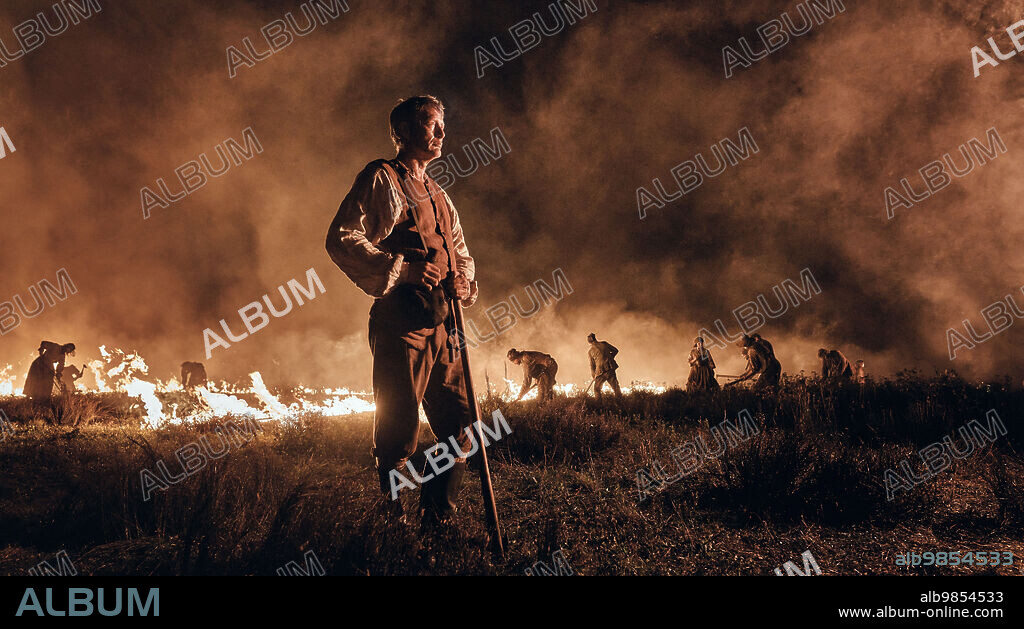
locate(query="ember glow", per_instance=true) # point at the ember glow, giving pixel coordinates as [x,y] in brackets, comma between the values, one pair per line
[512,389]
[7,381]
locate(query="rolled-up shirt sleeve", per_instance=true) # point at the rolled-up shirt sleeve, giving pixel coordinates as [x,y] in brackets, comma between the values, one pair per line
[367,216]
[463,261]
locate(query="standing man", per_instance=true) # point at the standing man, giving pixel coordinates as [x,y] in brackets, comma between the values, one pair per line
[397,236]
[603,365]
[536,366]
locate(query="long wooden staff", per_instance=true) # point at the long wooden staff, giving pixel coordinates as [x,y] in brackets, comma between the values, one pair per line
[490,506]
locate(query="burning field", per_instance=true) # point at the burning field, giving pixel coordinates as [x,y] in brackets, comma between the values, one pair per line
[597,485]
[336,287]
[161,403]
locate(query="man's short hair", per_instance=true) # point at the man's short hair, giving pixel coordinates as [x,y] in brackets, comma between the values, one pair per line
[407,111]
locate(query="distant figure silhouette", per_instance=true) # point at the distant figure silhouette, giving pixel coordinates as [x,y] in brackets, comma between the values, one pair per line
[602,365]
[761,362]
[765,344]
[68,378]
[834,365]
[536,366]
[43,380]
[702,369]
[860,373]
[192,375]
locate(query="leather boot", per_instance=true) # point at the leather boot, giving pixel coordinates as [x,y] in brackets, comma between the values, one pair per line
[439,496]
[392,509]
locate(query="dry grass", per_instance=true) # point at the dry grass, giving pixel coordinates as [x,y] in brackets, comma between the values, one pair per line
[565,478]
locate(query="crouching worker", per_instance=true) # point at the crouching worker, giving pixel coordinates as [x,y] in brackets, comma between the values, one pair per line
[193,375]
[68,377]
[397,236]
[536,366]
[761,363]
[44,374]
[834,365]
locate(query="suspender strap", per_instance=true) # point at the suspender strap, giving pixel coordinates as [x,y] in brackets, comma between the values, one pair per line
[393,168]
[443,220]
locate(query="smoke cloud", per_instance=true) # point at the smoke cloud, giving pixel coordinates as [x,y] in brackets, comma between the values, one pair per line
[591,113]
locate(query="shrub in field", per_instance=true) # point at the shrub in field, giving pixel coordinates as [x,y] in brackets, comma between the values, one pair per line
[1005,475]
[760,476]
[558,431]
[74,410]
[789,476]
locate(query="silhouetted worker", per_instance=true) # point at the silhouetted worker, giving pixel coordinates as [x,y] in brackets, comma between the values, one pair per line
[193,374]
[754,363]
[43,380]
[767,346]
[761,362]
[834,365]
[68,378]
[397,236]
[702,369]
[536,366]
[603,365]
[860,373]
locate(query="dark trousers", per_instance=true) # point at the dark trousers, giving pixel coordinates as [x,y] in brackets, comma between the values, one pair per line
[409,369]
[41,383]
[546,383]
[770,376]
[610,378]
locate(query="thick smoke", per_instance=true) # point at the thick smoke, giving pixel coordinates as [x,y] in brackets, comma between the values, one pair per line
[592,113]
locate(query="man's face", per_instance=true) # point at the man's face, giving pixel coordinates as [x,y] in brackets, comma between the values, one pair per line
[426,135]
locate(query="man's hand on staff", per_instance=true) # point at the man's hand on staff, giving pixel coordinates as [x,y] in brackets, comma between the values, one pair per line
[420,273]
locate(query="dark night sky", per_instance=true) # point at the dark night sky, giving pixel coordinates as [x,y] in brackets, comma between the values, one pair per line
[590,114]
